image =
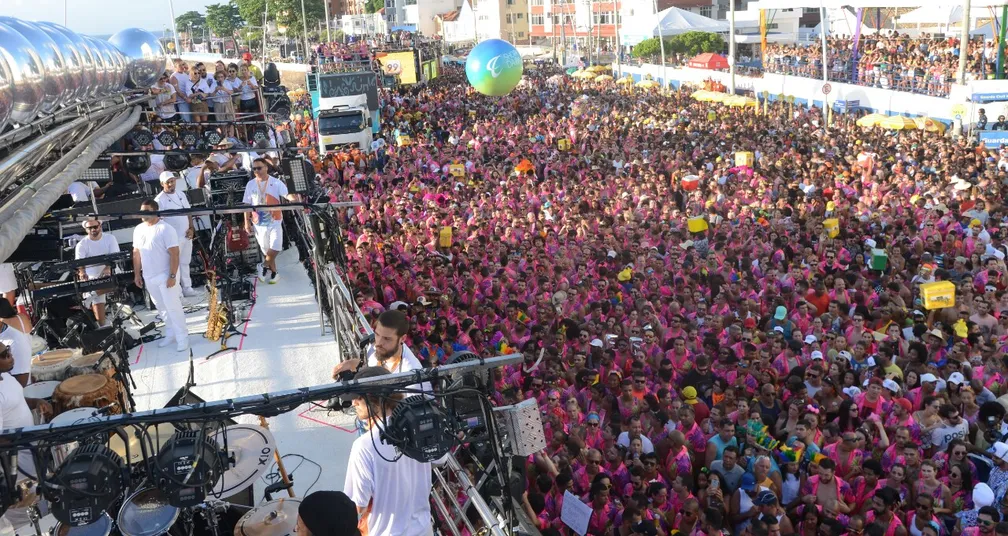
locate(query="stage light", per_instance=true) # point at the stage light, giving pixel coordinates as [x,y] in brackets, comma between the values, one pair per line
[88,482]
[188,464]
[212,137]
[189,137]
[166,138]
[300,175]
[141,136]
[100,171]
[137,164]
[420,429]
[261,133]
[467,406]
[176,161]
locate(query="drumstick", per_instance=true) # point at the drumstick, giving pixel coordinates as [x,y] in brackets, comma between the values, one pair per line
[279,461]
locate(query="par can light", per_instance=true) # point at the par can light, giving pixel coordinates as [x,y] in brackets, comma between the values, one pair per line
[85,485]
[189,464]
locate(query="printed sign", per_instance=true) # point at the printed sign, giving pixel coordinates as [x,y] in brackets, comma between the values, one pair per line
[348,84]
[575,514]
[457,170]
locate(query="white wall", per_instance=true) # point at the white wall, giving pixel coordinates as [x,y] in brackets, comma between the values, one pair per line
[808,90]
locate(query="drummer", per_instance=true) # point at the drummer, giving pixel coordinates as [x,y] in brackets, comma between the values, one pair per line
[15,333]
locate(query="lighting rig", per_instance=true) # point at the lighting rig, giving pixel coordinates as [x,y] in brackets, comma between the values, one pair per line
[189,466]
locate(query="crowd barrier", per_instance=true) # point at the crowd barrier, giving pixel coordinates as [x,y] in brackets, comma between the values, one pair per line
[810,91]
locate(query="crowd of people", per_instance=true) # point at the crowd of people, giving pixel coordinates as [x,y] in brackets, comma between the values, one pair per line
[709,357]
[886,60]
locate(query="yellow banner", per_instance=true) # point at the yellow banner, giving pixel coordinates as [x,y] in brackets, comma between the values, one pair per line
[400,64]
[762,33]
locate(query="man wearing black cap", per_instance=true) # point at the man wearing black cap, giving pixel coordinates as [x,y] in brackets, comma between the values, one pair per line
[327,513]
[391,491]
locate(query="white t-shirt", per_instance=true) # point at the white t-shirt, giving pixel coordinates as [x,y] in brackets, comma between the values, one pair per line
[174,201]
[14,413]
[399,491]
[20,346]
[106,245]
[81,191]
[184,88]
[165,111]
[8,281]
[153,242]
[409,362]
[943,435]
[255,194]
[190,178]
[646,445]
[157,167]
[248,91]
[203,87]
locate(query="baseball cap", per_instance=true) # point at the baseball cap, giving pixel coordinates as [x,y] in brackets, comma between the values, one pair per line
[749,323]
[167,176]
[689,395]
[891,385]
[957,378]
[780,313]
[748,482]
[844,354]
[816,355]
[765,498]
[596,343]
[1000,451]
[247,56]
[811,339]
[928,377]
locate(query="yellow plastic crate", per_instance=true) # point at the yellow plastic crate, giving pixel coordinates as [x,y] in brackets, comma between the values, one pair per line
[744,158]
[938,295]
[445,237]
[697,225]
[832,226]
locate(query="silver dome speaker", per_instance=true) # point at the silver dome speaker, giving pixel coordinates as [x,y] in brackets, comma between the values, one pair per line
[146,56]
[6,93]
[111,65]
[57,84]
[27,73]
[102,73]
[72,63]
[89,75]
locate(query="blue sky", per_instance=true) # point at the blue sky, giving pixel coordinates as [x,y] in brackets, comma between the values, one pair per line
[100,17]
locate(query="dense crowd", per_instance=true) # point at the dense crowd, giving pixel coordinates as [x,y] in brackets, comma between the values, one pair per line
[887,60]
[718,346]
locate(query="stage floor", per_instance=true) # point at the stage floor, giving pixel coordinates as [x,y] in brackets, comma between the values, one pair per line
[282,348]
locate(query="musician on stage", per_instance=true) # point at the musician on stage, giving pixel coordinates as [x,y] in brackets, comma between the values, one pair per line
[392,492]
[267,224]
[8,283]
[15,335]
[156,266]
[171,198]
[97,243]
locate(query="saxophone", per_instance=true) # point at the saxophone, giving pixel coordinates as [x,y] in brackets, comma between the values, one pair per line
[217,313]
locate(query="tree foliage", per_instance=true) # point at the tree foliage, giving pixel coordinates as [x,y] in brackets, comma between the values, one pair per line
[223,19]
[689,43]
[183,21]
[374,6]
[286,13]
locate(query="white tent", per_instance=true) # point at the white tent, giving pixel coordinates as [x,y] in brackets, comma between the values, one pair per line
[942,15]
[672,21]
[791,4]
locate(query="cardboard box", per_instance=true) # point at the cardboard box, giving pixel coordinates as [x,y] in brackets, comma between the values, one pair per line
[938,295]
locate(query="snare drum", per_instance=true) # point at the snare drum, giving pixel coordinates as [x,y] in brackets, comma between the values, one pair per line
[96,390]
[99,527]
[147,513]
[52,366]
[90,364]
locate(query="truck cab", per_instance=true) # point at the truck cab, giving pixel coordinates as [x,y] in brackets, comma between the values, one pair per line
[344,123]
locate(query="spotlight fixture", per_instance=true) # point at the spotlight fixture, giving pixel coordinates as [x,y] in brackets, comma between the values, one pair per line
[261,133]
[86,484]
[212,137]
[176,161]
[166,138]
[142,136]
[189,137]
[137,164]
[189,463]
[420,429]
[299,175]
[100,171]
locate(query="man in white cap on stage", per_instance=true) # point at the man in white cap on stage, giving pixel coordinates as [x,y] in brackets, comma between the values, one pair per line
[155,265]
[171,198]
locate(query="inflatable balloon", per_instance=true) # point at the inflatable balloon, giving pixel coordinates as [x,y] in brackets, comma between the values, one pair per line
[494,67]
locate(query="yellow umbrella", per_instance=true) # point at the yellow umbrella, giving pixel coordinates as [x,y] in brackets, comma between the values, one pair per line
[871,120]
[898,122]
[648,84]
[738,101]
[714,96]
[929,125]
[699,94]
[600,69]
[584,74]
[625,80]
[603,78]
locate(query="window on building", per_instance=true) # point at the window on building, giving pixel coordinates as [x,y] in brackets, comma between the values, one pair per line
[810,10]
[603,17]
[521,34]
[536,19]
[707,11]
[507,18]
[510,2]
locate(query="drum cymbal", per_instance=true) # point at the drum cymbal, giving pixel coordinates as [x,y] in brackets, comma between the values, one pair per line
[159,435]
[252,448]
[275,518]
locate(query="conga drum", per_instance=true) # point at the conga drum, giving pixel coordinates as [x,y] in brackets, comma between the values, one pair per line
[90,364]
[86,390]
[51,366]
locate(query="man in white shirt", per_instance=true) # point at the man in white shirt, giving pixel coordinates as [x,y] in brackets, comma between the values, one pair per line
[267,224]
[183,86]
[156,264]
[171,199]
[389,349]
[82,191]
[391,490]
[165,98]
[97,243]
[8,282]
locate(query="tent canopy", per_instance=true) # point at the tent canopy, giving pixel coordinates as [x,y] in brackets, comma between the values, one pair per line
[941,14]
[672,21]
[709,61]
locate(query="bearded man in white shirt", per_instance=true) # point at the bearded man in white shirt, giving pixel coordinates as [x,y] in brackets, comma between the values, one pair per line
[172,198]
[156,265]
[97,243]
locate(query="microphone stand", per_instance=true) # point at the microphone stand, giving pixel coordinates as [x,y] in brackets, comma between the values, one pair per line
[112,350]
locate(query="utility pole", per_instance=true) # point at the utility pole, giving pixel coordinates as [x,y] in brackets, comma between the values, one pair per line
[661,41]
[731,44]
[964,40]
[304,22]
[171,10]
[619,65]
[265,29]
[327,22]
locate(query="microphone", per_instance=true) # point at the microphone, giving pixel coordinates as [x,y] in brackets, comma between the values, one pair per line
[104,410]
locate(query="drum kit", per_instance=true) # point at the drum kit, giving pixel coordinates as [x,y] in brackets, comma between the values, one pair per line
[144,509]
[69,379]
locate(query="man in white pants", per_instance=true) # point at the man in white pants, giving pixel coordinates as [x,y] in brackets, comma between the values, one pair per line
[97,243]
[268,224]
[171,198]
[156,264]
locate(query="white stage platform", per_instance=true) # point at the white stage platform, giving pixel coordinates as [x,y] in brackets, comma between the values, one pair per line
[282,349]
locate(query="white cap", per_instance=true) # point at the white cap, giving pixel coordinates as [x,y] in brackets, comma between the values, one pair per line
[851,391]
[596,343]
[396,304]
[167,176]
[870,362]
[870,242]
[983,495]
[928,377]
[845,355]
[957,378]
[816,354]
[778,329]
[611,254]
[891,385]
[1000,451]
[811,339]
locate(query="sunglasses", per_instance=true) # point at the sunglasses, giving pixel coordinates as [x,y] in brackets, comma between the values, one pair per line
[93,227]
[593,424]
[257,168]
